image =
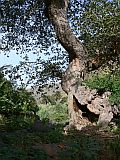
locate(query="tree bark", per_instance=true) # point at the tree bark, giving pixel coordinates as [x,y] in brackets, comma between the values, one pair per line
[57,14]
[78,97]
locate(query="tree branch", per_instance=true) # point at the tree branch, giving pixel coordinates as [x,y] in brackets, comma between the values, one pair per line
[57,14]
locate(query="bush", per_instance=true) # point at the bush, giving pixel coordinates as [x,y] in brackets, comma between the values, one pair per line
[53,108]
[54,113]
[12,153]
[106,82]
[15,101]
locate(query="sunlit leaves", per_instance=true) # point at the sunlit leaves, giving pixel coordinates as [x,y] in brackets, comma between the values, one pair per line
[99,26]
[107,82]
[27,29]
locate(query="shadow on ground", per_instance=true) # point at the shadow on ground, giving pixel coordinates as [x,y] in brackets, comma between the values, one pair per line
[40,141]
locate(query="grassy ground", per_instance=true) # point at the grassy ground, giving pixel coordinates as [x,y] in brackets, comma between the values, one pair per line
[89,144]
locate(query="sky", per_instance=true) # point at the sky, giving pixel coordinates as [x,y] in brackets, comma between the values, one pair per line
[13,59]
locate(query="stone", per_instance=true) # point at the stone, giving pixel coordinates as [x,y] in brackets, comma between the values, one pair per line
[116,109]
[85,106]
[104,119]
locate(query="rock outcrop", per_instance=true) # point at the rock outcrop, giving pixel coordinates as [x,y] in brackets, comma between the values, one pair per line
[92,107]
[85,106]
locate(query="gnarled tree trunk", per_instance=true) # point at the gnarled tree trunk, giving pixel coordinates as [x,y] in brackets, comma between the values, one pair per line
[82,105]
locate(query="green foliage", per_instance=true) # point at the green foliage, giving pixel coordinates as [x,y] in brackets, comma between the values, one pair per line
[15,101]
[85,148]
[53,108]
[10,153]
[54,99]
[33,24]
[96,22]
[53,113]
[99,25]
[86,145]
[106,82]
[114,148]
[15,122]
[25,101]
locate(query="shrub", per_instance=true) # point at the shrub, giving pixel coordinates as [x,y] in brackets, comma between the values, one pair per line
[53,108]
[54,113]
[15,101]
[106,82]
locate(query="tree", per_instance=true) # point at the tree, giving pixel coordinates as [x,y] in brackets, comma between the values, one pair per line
[26,25]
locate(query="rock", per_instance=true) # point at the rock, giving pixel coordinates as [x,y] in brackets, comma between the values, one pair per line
[95,106]
[104,119]
[94,92]
[99,105]
[84,104]
[116,109]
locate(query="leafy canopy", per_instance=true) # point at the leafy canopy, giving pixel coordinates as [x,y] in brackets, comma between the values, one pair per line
[26,29]
[99,25]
